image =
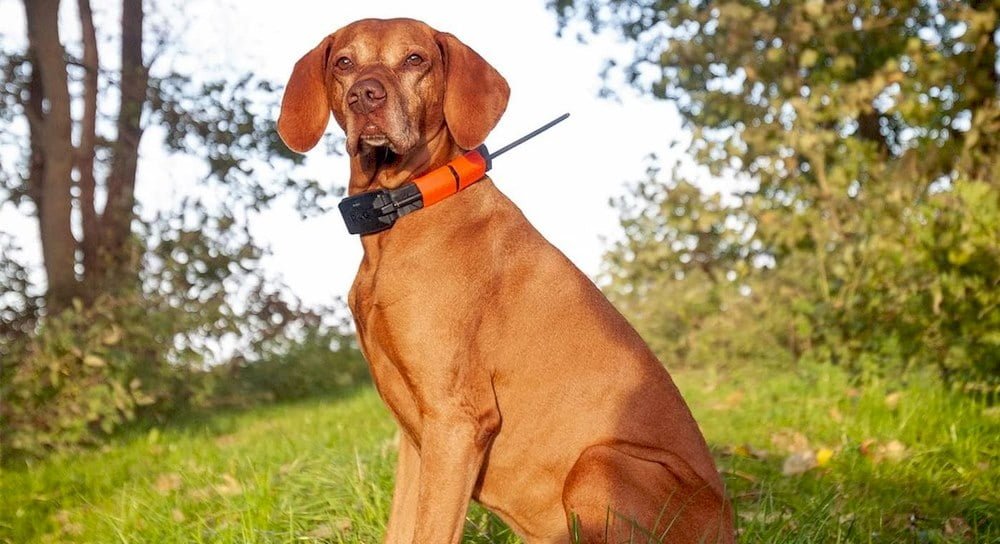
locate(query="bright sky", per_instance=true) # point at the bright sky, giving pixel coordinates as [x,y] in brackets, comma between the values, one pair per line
[562,180]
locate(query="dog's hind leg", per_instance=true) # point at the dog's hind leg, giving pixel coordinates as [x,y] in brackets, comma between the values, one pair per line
[622,492]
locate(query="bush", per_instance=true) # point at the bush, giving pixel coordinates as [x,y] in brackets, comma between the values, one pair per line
[916,287]
[928,294]
[321,362]
[86,372]
[90,370]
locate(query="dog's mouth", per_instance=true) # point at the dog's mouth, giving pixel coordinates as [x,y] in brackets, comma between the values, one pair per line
[374,142]
[384,156]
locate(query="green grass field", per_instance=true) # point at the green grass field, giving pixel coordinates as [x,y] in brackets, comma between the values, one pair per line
[807,458]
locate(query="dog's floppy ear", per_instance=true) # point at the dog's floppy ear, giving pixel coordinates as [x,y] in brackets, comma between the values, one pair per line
[305,108]
[475,94]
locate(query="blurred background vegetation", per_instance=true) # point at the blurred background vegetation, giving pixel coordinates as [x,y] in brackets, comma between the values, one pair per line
[864,137]
[143,316]
[857,264]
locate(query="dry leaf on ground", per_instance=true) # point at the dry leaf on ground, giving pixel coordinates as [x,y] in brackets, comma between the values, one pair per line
[957,526]
[799,463]
[823,456]
[329,530]
[731,401]
[790,441]
[229,487]
[167,483]
[893,450]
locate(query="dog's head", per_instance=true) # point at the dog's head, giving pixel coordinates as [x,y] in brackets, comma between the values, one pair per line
[392,85]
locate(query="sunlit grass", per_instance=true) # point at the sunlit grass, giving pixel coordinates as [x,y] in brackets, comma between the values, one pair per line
[902,463]
[321,471]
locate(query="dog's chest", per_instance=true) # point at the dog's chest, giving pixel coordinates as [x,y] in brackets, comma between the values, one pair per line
[380,332]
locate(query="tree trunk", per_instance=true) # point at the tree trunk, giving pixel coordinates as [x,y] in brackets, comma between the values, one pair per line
[118,254]
[52,131]
[90,244]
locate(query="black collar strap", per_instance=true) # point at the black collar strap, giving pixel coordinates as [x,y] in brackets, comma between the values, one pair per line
[375,211]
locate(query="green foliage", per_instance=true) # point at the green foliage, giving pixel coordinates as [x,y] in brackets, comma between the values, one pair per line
[869,133]
[233,129]
[207,328]
[319,362]
[928,292]
[18,305]
[89,371]
[678,272]
[186,317]
[85,374]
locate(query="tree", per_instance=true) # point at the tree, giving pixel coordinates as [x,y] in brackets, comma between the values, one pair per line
[54,157]
[868,129]
[80,167]
[136,308]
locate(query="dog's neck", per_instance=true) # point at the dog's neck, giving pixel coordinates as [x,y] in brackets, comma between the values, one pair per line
[368,172]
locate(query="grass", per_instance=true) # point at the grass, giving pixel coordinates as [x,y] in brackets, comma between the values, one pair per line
[915,464]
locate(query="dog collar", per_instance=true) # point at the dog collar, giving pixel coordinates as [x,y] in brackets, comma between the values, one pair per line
[375,211]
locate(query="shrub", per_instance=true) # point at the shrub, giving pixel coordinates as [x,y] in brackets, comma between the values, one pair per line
[86,372]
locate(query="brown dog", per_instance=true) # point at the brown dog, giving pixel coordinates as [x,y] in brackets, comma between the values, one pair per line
[514,382]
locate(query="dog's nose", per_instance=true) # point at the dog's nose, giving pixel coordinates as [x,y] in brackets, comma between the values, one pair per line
[366,96]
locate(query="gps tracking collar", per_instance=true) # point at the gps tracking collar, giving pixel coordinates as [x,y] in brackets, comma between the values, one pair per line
[374,211]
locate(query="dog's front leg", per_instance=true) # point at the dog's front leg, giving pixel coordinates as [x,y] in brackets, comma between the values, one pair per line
[402,517]
[454,442]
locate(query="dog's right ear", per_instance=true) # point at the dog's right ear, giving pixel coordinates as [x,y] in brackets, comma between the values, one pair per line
[305,108]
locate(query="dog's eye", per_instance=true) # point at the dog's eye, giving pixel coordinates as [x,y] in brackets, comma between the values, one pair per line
[344,63]
[414,60]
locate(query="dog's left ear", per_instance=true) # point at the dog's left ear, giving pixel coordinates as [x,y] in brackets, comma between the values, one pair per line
[475,94]
[305,108]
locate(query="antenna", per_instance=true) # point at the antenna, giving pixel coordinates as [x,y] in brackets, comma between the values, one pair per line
[529,136]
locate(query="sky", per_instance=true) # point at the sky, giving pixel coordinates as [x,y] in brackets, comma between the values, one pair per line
[562,180]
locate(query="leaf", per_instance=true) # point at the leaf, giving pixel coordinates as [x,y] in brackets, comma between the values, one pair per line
[746,450]
[813,8]
[893,451]
[94,361]
[731,401]
[892,400]
[956,526]
[112,336]
[330,530]
[799,463]
[65,522]
[808,58]
[823,456]
[167,483]
[229,487]
[142,399]
[791,442]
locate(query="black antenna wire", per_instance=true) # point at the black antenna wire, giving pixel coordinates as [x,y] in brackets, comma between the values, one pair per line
[529,136]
